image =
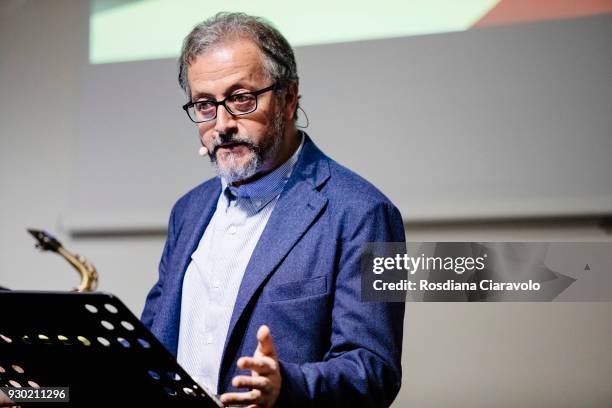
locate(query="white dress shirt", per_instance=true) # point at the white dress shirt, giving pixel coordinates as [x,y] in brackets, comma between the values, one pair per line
[213,277]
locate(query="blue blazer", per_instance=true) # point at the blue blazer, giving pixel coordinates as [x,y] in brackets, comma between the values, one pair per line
[303,281]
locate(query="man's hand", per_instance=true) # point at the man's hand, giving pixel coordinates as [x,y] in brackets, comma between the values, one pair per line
[265,378]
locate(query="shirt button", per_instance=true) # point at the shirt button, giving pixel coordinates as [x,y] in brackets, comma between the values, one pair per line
[216,284]
[232,229]
[209,339]
[257,203]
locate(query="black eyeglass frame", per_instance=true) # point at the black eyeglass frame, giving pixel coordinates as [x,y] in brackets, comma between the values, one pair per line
[188,105]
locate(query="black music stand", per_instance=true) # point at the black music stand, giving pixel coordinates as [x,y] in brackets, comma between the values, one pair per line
[93,344]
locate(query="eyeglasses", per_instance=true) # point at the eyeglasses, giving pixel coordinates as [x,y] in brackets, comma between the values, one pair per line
[237,104]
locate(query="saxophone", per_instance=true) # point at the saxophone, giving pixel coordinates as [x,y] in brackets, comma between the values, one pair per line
[88,273]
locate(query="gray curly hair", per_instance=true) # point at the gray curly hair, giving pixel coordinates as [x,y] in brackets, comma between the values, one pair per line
[277,54]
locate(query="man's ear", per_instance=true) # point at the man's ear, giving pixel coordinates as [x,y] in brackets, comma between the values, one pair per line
[291,100]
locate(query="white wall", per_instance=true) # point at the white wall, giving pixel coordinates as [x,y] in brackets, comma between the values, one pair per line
[41,46]
[508,354]
[455,354]
[38,62]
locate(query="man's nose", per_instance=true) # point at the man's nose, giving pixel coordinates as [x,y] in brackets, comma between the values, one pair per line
[225,121]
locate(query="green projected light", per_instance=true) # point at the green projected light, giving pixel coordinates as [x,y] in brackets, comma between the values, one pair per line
[151,29]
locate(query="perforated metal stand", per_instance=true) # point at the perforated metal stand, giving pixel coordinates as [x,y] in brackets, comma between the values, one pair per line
[92,344]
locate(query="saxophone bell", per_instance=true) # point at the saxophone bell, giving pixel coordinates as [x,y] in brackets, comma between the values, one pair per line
[88,273]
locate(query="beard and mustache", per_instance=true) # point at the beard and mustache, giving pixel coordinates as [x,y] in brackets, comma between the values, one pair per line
[232,170]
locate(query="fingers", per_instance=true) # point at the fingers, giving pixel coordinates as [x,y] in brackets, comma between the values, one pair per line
[265,379]
[244,381]
[261,365]
[250,397]
[265,345]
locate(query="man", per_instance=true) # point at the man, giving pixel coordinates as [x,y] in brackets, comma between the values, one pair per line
[259,287]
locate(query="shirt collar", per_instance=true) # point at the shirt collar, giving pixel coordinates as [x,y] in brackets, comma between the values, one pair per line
[260,192]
